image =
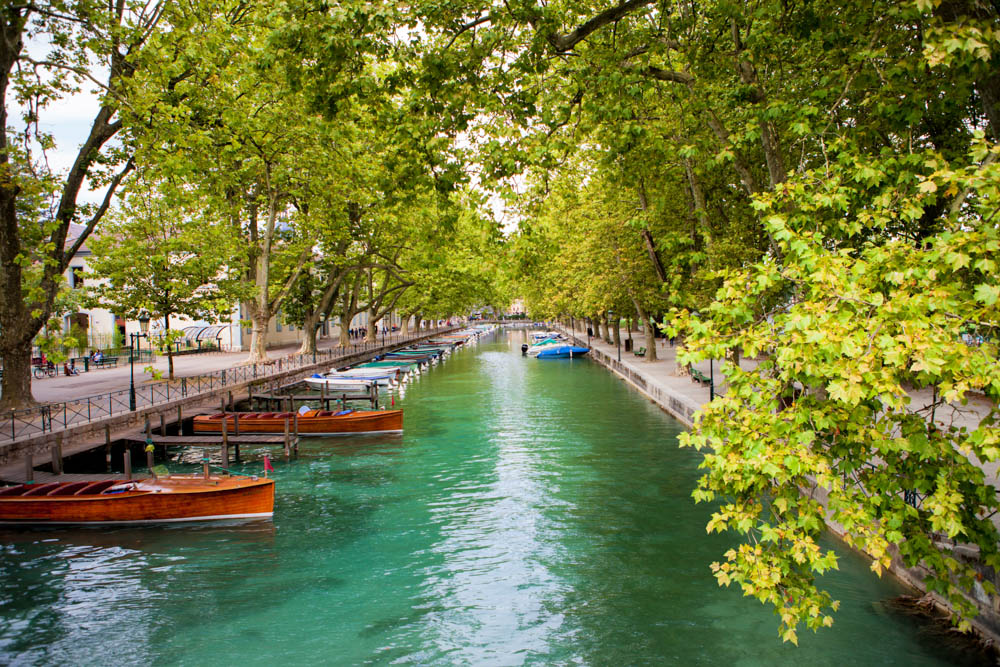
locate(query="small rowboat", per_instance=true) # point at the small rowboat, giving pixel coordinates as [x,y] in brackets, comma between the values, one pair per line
[156,500]
[313,422]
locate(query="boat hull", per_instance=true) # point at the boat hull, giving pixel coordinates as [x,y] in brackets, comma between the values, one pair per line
[168,500]
[314,423]
[562,352]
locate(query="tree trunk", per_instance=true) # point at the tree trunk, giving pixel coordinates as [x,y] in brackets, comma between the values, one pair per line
[258,337]
[16,382]
[310,326]
[372,327]
[650,334]
[404,325]
[345,335]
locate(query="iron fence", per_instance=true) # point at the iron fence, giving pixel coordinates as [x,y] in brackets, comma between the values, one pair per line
[17,424]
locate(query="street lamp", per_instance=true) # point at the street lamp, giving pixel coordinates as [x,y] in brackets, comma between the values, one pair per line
[711,370]
[711,380]
[133,339]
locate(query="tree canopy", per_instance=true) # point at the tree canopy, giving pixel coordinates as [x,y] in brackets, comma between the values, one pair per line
[811,189]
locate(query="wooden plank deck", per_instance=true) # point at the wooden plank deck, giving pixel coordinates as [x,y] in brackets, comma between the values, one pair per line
[42,477]
[211,440]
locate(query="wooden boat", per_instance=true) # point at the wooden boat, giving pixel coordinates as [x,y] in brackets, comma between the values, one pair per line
[313,422]
[154,500]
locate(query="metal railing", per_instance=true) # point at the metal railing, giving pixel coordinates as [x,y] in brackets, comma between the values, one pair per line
[17,424]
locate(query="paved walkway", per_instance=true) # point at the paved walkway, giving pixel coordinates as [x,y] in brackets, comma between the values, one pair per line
[100,381]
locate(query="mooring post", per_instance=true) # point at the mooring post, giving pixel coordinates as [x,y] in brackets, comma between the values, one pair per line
[128,462]
[231,406]
[149,461]
[107,446]
[236,424]
[180,422]
[222,405]
[225,444]
[29,470]
[295,419]
[57,462]
[288,448]
[163,424]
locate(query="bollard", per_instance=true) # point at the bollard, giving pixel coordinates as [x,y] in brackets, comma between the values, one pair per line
[128,463]
[107,446]
[288,448]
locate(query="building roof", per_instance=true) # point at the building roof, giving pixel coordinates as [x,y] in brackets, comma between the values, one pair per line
[73,234]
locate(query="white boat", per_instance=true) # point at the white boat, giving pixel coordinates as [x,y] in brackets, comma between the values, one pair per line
[339,384]
[380,378]
[535,349]
[539,336]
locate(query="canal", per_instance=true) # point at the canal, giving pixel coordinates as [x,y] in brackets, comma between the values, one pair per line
[534,512]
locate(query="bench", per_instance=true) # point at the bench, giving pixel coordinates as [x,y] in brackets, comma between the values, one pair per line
[698,376]
[106,362]
[641,352]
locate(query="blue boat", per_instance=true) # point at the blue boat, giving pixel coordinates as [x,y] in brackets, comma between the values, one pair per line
[562,352]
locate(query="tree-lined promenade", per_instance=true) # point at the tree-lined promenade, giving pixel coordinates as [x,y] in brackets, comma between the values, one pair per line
[814,186]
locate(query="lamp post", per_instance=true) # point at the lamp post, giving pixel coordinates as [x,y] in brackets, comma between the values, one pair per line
[711,380]
[132,347]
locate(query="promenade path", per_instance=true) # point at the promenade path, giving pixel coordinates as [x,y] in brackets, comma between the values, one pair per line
[99,381]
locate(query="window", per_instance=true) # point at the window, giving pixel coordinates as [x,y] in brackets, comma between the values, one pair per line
[76,277]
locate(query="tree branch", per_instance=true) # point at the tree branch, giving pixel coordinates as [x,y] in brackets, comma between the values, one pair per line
[566,42]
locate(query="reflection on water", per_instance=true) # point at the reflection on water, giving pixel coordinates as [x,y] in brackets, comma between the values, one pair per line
[531,513]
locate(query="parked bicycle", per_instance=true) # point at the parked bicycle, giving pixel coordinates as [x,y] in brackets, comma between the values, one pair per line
[44,370]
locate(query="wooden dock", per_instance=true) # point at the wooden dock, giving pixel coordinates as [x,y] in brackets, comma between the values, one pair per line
[42,477]
[208,440]
[285,402]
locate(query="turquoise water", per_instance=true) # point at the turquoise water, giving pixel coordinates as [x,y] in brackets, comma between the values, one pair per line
[534,512]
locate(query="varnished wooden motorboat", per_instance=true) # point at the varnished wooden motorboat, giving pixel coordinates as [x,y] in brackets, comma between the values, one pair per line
[154,500]
[313,422]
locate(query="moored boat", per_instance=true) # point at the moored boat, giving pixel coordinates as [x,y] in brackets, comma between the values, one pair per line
[154,500]
[562,352]
[312,422]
